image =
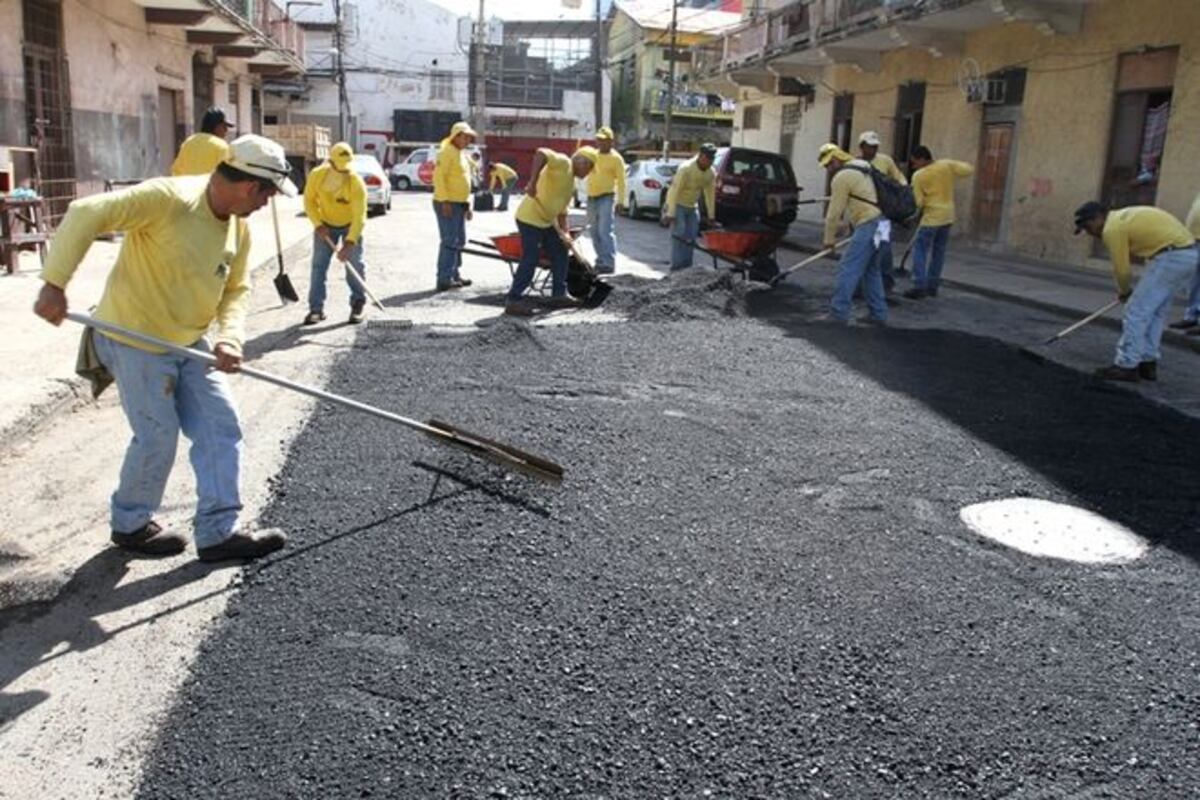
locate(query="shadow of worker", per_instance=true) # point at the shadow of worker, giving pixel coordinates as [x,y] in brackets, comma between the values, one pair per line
[34,634]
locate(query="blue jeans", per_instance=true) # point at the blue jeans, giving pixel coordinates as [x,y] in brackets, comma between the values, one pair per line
[686,227]
[1147,308]
[163,394]
[600,217]
[533,241]
[1193,303]
[860,263]
[321,257]
[452,231]
[927,266]
[505,190]
[886,266]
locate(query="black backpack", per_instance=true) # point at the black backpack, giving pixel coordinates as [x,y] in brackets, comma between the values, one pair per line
[896,201]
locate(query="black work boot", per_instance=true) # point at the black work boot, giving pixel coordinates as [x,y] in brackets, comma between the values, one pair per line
[1148,370]
[1185,324]
[356,312]
[915,293]
[245,546]
[314,317]
[1115,373]
[150,540]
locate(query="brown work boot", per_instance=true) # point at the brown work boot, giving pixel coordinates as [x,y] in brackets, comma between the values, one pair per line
[560,301]
[1148,370]
[245,546]
[314,317]
[1115,373]
[150,540]
[518,308]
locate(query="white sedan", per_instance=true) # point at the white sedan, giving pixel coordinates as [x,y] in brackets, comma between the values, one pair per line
[379,189]
[647,183]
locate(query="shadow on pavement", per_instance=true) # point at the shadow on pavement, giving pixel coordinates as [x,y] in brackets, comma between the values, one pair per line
[1124,456]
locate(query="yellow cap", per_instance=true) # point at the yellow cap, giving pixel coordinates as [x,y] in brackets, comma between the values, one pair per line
[462,127]
[830,151]
[340,155]
[605,133]
[588,152]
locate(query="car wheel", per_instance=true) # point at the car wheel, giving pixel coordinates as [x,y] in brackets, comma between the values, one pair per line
[635,210]
[404,184]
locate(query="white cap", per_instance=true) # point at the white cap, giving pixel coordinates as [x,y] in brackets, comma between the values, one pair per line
[262,158]
[870,138]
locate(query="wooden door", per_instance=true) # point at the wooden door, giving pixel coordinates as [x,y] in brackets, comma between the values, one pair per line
[992,181]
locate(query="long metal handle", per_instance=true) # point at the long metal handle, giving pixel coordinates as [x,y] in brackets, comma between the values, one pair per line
[1095,315]
[814,257]
[353,272]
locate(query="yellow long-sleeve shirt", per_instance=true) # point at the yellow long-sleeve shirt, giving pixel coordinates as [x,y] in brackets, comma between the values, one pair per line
[689,183]
[555,188]
[852,192]
[501,174]
[933,188]
[452,175]
[179,268]
[608,176]
[1193,218]
[336,199]
[887,166]
[200,154]
[1140,232]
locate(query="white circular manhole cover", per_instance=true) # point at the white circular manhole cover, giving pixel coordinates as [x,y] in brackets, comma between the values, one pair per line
[1054,530]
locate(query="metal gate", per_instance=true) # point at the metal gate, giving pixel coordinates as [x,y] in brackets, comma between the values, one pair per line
[48,104]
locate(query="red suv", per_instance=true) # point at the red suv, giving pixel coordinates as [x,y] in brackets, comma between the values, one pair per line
[755,186]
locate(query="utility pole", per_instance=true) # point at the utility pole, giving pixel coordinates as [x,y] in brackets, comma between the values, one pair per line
[599,54]
[670,81]
[339,68]
[479,76]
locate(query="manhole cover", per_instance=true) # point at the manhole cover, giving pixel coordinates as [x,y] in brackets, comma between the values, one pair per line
[1054,530]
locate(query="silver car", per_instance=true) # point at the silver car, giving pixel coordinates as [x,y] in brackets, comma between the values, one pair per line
[379,189]
[647,183]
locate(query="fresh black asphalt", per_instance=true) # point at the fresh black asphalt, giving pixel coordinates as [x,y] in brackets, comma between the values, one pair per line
[752,584]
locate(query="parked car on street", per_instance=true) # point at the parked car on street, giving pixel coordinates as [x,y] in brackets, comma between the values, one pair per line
[412,172]
[647,183]
[755,185]
[379,190]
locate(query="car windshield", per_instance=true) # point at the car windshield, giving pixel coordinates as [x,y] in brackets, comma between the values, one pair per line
[666,170]
[418,157]
[760,166]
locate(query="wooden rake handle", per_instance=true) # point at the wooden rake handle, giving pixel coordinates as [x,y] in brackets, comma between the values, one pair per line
[354,273]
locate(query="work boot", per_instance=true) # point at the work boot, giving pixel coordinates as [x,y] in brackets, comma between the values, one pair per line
[915,293]
[462,282]
[445,287]
[931,291]
[518,308]
[1185,325]
[1148,370]
[356,312]
[150,540]
[245,546]
[314,317]
[1115,373]
[1192,331]
[874,322]
[561,301]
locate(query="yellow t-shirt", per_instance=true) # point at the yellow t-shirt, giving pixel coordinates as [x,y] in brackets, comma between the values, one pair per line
[555,187]
[608,176]
[689,184]
[179,268]
[336,199]
[452,174]
[1140,232]
[200,154]
[502,174]
[887,166]
[933,188]
[847,186]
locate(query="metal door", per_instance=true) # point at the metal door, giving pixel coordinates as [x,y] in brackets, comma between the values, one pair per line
[992,181]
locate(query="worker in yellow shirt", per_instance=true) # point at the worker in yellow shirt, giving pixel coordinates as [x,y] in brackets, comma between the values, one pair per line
[1169,249]
[868,148]
[541,216]
[181,267]
[1191,315]
[694,179]
[505,177]
[606,195]
[335,200]
[451,196]
[933,188]
[201,152]
[852,193]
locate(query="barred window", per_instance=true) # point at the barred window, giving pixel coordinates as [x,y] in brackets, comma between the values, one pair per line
[752,118]
[441,85]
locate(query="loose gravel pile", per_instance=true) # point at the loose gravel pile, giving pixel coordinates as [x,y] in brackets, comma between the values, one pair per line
[693,294]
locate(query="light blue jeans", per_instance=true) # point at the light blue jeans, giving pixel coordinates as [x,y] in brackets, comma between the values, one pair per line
[1147,308]
[452,231]
[686,227]
[604,239]
[1193,306]
[860,263]
[321,257]
[163,394]
[929,256]
[505,192]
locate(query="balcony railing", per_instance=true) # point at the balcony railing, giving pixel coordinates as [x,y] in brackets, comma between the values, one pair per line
[695,105]
[272,20]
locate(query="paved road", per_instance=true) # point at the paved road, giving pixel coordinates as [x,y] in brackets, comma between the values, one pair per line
[753,583]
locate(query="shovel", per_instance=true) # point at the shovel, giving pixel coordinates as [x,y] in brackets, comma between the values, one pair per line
[506,456]
[598,290]
[354,274]
[283,284]
[814,257]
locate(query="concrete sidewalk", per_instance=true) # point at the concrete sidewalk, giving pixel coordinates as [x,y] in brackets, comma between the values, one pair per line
[39,358]
[1071,292]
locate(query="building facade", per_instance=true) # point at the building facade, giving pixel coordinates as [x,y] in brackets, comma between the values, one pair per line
[1055,102]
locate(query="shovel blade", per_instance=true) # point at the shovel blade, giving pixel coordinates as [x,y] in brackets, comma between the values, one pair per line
[287,292]
[597,294]
[505,455]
